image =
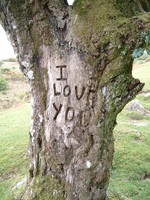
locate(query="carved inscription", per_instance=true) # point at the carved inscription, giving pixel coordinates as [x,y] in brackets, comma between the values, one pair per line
[82,92]
[56,93]
[85,118]
[58,109]
[61,67]
[69,116]
[66,91]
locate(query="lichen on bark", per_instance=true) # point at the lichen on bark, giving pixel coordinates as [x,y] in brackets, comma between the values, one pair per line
[45,188]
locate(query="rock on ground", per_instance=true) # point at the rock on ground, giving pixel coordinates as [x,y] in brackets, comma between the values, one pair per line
[20,184]
[136,106]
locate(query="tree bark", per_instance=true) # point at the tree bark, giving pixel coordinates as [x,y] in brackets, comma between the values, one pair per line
[79,65]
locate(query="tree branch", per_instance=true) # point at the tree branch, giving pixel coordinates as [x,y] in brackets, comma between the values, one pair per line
[140,6]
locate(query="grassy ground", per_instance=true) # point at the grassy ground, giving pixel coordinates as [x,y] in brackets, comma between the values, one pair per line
[14,163]
[14,128]
[131,167]
[130,178]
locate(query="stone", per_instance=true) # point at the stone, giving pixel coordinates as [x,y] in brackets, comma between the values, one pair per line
[147,94]
[136,106]
[20,184]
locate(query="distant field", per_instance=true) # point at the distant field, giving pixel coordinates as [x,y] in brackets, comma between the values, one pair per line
[130,178]
[142,71]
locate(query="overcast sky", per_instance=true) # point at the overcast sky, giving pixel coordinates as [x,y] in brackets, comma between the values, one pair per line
[6,50]
[70,2]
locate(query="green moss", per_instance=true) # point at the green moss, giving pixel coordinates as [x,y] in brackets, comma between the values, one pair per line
[45,188]
[128,8]
[97,27]
[22,14]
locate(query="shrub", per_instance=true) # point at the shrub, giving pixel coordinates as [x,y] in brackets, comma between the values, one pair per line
[3,84]
[10,60]
[1,63]
[5,71]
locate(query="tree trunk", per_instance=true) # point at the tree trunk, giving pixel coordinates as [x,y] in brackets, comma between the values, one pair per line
[79,65]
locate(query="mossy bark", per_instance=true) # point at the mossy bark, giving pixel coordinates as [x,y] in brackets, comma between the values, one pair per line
[79,65]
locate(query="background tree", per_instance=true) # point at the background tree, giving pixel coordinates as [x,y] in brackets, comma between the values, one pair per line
[79,65]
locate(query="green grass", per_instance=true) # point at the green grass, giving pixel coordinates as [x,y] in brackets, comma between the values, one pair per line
[130,178]
[14,162]
[131,162]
